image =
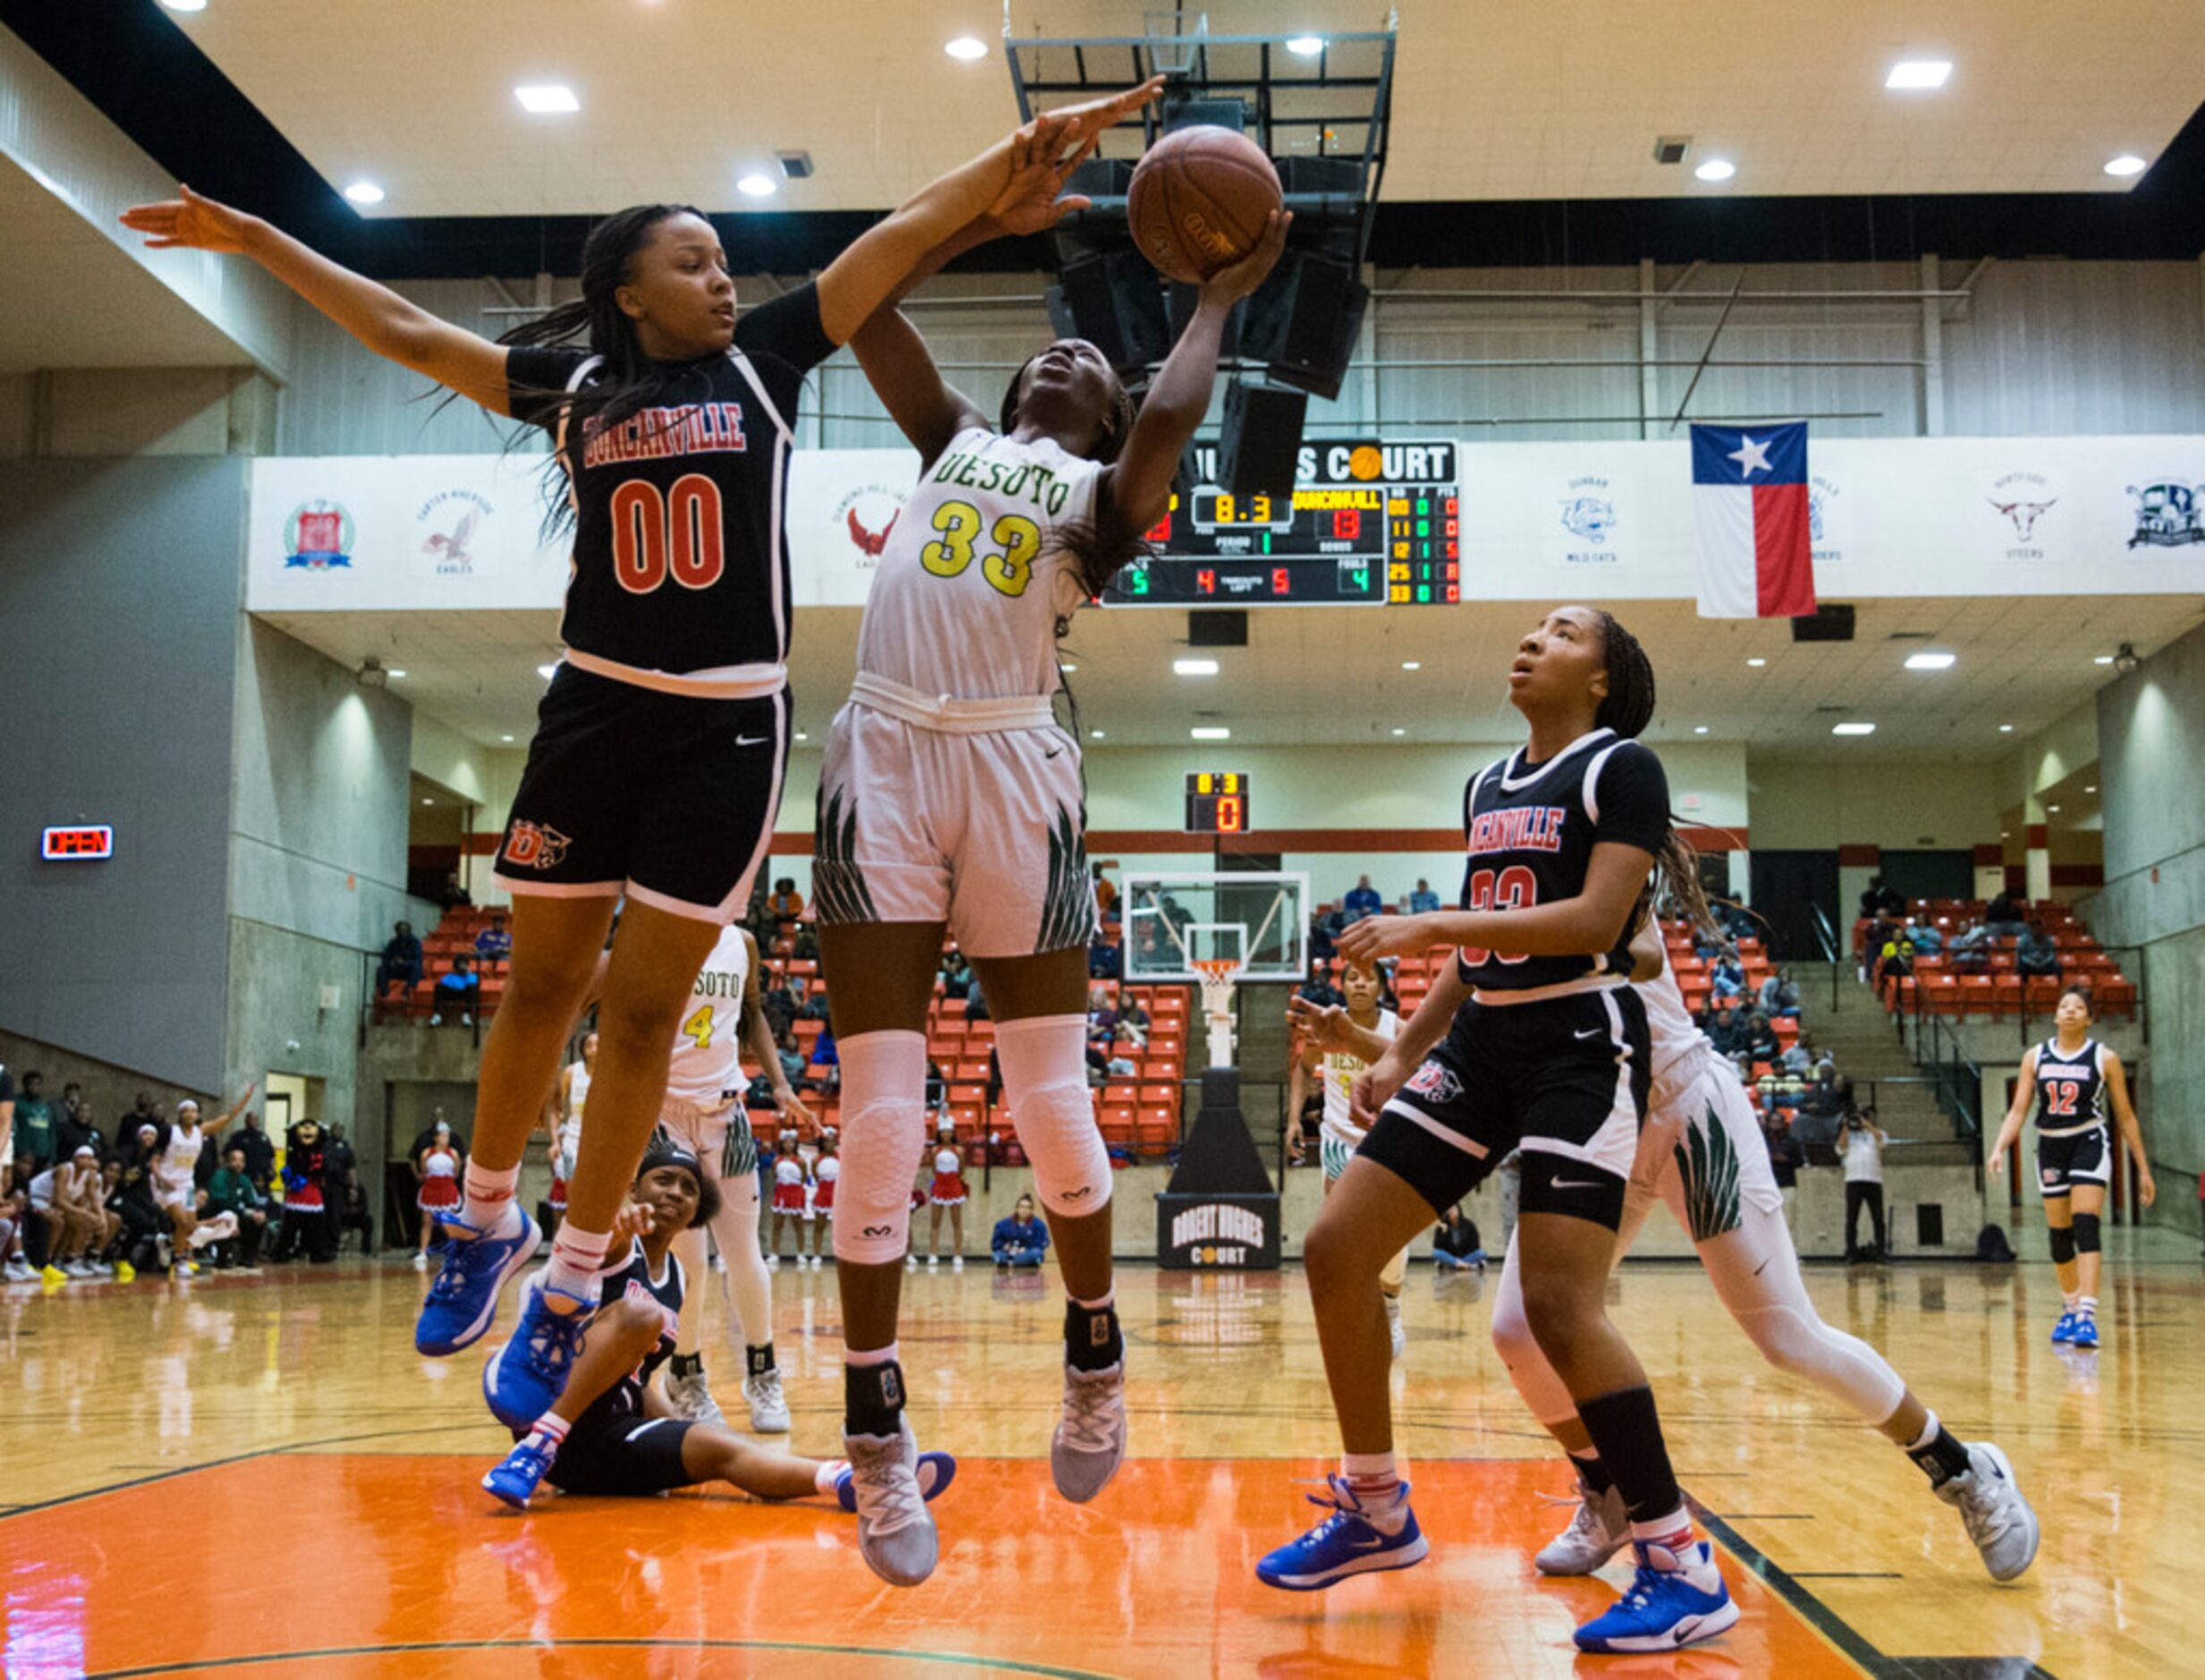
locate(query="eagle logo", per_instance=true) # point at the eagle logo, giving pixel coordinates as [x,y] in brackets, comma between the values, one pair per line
[452,546]
[867,542]
[2024,514]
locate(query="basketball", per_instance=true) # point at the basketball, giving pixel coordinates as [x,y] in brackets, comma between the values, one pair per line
[1199,201]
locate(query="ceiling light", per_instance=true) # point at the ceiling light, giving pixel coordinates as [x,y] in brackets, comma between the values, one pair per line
[397,671]
[2127,163]
[1068,665]
[2125,659]
[1401,732]
[1202,733]
[504,737]
[1413,665]
[757,186]
[548,671]
[1918,73]
[1095,734]
[1757,663]
[967,47]
[2006,729]
[2092,788]
[1195,668]
[185,5]
[2053,808]
[428,802]
[1717,169]
[2103,659]
[1305,46]
[1931,661]
[2005,834]
[1852,729]
[364,193]
[801,736]
[548,101]
[1700,729]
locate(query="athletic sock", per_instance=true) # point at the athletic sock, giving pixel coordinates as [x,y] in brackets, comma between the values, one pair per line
[758,1360]
[548,1434]
[1092,1340]
[1672,1532]
[577,1257]
[1626,1432]
[1375,1480]
[489,1209]
[1592,1471]
[828,1473]
[872,1389]
[1939,1455]
[2087,1305]
[688,1364]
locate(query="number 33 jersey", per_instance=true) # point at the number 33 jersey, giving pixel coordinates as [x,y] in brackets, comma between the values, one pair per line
[1530,830]
[971,586]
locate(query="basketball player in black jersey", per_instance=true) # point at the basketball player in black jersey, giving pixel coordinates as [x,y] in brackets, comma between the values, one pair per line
[1533,1040]
[656,768]
[2070,1079]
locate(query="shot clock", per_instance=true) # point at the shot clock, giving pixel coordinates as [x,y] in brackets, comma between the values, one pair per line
[1217,802]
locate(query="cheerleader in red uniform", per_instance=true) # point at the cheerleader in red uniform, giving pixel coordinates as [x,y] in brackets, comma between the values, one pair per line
[790,1181]
[825,1171]
[439,1196]
[948,1191]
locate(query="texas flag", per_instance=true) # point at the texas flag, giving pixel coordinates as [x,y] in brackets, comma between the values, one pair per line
[1750,497]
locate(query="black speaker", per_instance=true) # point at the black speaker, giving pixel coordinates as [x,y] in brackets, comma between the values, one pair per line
[1217,627]
[1113,301]
[1261,438]
[1830,622]
[1180,113]
[1304,320]
[1180,302]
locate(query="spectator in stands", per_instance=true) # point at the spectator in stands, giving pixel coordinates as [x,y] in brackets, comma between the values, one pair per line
[34,1120]
[1319,989]
[1133,1019]
[975,1003]
[792,1058]
[1106,897]
[1102,1014]
[1970,950]
[75,1124]
[815,1005]
[1322,950]
[1879,900]
[344,1170]
[785,904]
[1456,1246]
[259,1153]
[234,1192]
[1878,933]
[1098,1062]
[1783,1152]
[1423,901]
[1737,921]
[1021,1240]
[1864,1184]
[1923,932]
[824,1068]
[2035,954]
[1362,900]
[956,975]
[1779,999]
[402,961]
[1761,1044]
[1722,1027]
[2003,917]
[1822,1109]
[493,944]
[128,1188]
[1104,961]
[777,1003]
[1800,1058]
[459,990]
[1726,979]
[1895,960]
[454,894]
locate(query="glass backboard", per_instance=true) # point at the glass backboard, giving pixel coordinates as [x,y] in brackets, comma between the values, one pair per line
[1170,921]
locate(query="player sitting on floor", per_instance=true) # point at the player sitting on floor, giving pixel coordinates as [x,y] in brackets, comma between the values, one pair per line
[612,1431]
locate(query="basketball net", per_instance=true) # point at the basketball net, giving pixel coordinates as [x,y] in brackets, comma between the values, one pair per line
[1219,975]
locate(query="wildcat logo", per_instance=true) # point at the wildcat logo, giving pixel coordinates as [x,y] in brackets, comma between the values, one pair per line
[867,516]
[1434,1083]
[533,846]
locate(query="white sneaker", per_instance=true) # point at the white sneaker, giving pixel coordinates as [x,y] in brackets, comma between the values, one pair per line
[895,1531]
[421,1260]
[1090,1442]
[957,1264]
[910,1263]
[1393,1329]
[934,1262]
[773,1262]
[1998,1519]
[770,1407]
[818,1261]
[1600,1528]
[18,1272]
[435,1020]
[691,1399]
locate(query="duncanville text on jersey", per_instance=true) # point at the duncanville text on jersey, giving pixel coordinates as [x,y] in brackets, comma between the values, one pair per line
[1525,829]
[653,434]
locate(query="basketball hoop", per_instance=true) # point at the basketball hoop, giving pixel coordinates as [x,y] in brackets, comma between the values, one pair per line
[1219,974]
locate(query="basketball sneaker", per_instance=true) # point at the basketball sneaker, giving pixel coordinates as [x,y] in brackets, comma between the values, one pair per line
[2063,1331]
[1599,1530]
[1676,1599]
[1089,1441]
[1346,1543]
[1998,1519]
[936,1471]
[52,1275]
[770,1407]
[124,1272]
[525,1378]
[691,1399]
[463,1297]
[516,1479]
[20,1272]
[2085,1333]
[1393,1329]
[896,1532]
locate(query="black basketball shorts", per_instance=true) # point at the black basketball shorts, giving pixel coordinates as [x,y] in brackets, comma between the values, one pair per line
[1564,1078]
[2076,1157]
[665,798]
[622,1456]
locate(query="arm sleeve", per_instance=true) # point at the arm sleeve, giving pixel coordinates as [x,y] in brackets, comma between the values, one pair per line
[1633,796]
[536,377]
[788,329]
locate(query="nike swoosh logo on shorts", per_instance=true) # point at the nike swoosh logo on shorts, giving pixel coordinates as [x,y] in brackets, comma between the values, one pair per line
[1589,1032]
[753,741]
[1052,752]
[1574,1183]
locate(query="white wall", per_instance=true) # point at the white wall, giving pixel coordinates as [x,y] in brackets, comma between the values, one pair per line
[1819,804]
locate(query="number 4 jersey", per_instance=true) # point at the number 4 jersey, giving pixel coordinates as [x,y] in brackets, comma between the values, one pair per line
[971,588]
[706,1062]
[1530,830]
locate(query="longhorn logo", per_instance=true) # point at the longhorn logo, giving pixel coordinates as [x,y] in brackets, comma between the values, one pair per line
[2024,514]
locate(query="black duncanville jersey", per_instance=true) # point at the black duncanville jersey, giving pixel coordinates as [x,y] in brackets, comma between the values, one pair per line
[1529,829]
[634,1282]
[2071,1089]
[680,565]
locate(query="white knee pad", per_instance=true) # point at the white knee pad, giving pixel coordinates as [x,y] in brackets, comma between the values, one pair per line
[884,1127]
[1044,1062]
[1529,1367]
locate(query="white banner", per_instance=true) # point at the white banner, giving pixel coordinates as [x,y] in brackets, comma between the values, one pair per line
[1891,517]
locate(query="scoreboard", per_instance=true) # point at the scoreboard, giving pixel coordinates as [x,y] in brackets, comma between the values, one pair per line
[1217,802]
[1369,523]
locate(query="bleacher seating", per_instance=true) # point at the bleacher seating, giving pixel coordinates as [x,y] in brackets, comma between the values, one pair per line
[2002,991]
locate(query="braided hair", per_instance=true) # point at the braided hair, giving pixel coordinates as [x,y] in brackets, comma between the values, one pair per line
[1627,707]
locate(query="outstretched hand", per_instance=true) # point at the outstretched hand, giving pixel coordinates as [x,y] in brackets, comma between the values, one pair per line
[1066,135]
[1323,1025]
[1028,202]
[1364,942]
[633,1221]
[1230,286]
[189,220]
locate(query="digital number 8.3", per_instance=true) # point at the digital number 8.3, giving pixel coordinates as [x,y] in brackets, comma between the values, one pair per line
[1008,572]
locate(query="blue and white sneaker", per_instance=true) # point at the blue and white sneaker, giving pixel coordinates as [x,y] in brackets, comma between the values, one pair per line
[1345,1543]
[1675,1599]
[517,1475]
[2063,1331]
[2085,1331]
[936,1471]
[462,1300]
[525,1378]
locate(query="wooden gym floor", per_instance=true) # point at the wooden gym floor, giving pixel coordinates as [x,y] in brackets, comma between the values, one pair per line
[257,1474]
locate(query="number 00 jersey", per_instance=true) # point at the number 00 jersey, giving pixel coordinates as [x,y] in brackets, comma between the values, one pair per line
[971,588]
[1530,830]
[680,571]
[2071,1089]
[707,1062]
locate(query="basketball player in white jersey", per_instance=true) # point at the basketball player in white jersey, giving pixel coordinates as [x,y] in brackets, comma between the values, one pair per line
[1702,1153]
[704,1114]
[573,1099]
[950,799]
[1337,1045]
[175,1166]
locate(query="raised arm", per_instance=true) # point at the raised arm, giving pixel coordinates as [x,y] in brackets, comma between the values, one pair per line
[213,1127]
[378,317]
[2131,1133]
